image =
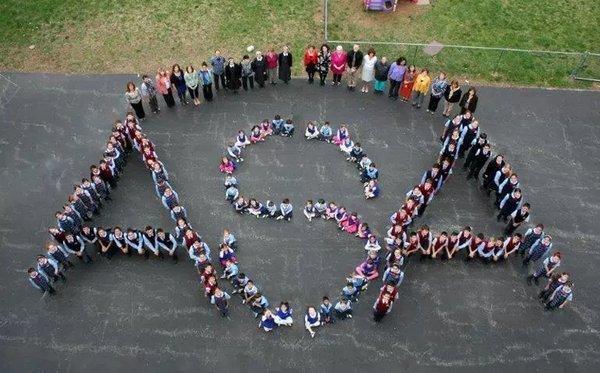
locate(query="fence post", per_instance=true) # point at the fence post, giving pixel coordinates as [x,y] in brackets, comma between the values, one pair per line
[495,70]
[325,21]
[415,55]
[582,61]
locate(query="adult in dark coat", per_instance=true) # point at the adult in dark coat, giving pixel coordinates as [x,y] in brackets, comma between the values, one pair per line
[354,61]
[285,65]
[259,66]
[469,101]
[233,74]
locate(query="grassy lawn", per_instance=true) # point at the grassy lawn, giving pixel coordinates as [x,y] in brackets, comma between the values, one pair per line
[137,36]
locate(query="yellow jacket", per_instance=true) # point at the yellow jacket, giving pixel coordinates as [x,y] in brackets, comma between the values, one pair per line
[422,83]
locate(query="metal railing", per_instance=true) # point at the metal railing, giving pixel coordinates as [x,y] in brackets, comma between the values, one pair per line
[583,58]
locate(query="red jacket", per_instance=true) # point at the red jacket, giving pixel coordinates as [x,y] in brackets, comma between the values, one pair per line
[310,58]
[382,307]
[272,60]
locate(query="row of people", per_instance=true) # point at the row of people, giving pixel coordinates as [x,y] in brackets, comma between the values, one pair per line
[353,151]
[346,221]
[86,201]
[405,81]
[197,249]
[72,236]
[258,133]
[462,135]
[229,163]
[500,178]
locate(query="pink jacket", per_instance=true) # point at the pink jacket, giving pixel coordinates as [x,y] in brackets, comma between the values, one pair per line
[338,59]
[163,83]
[227,168]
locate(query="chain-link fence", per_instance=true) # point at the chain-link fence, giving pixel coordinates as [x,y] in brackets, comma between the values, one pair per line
[492,64]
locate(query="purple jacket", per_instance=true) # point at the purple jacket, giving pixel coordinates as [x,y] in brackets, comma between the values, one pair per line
[397,72]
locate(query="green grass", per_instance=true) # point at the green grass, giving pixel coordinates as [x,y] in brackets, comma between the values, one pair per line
[565,25]
[138,36]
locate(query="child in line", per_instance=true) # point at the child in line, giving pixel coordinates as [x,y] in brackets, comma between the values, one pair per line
[531,237]
[364,232]
[55,252]
[359,282]
[277,125]
[549,265]
[312,132]
[227,166]
[369,173]
[351,223]
[256,135]
[325,133]
[560,297]
[231,269]
[272,209]
[368,269]
[511,245]
[232,194]
[229,239]
[372,244]
[393,275]
[340,216]
[240,206]
[439,245]
[239,282]
[257,209]
[320,208]
[326,311]
[258,303]
[309,210]
[219,298]
[265,128]
[343,309]
[312,319]
[341,135]
[241,139]
[371,188]
[356,153]
[364,163]
[235,152]
[285,210]
[267,321]
[346,147]
[477,244]
[248,292]
[330,211]
[283,314]
[554,282]
[288,128]
[40,281]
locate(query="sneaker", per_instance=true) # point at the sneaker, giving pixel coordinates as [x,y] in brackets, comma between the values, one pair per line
[349,316]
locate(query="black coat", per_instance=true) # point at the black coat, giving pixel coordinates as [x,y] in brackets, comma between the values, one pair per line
[233,75]
[472,104]
[455,95]
[357,56]
[381,71]
[285,67]
[260,70]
